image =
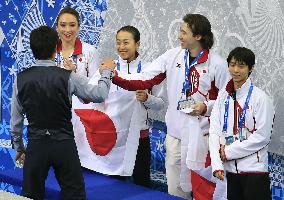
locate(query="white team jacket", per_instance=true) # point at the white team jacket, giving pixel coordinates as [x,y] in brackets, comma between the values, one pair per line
[210,71]
[85,57]
[250,155]
[157,101]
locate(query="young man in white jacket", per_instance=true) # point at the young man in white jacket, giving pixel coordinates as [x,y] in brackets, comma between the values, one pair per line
[194,77]
[240,129]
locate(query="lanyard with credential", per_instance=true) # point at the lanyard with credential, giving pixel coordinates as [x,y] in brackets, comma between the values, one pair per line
[187,81]
[242,118]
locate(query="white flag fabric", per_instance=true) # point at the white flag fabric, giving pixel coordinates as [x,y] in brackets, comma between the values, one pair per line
[102,131]
[194,149]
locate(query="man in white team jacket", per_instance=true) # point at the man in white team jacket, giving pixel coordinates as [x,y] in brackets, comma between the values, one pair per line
[241,123]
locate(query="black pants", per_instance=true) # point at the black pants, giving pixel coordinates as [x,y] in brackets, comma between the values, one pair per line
[248,186]
[63,156]
[141,171]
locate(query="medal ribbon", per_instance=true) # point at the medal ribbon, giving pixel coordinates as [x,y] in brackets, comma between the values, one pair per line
[187,82]
[242,118]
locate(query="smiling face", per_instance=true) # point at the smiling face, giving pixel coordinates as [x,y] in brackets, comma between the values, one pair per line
[187,40]
[67,27]
[126,46]
[239,71]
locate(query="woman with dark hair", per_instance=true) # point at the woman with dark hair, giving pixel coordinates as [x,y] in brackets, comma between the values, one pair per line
[76,55]
[131,153]
[72,53]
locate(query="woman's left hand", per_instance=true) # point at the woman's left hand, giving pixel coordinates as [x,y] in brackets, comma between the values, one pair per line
[141,95]
[68,64]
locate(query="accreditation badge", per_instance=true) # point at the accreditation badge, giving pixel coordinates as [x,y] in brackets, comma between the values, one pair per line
[243,134]
[229,140]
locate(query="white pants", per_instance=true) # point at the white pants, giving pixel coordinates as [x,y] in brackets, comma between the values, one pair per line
[173,163]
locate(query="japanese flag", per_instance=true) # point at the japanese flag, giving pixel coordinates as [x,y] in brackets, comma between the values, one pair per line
[107,134]
[205,186]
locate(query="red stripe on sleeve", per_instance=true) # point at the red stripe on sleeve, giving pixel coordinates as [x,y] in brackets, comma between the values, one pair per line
[133,85]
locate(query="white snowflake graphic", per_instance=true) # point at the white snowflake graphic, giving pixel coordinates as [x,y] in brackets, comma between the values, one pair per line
[160,146]
[13,71]
[50,3]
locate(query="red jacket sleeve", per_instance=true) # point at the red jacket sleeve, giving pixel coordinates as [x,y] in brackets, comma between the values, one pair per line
[133,85]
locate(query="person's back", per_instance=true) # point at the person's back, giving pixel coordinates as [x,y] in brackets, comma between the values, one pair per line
[47,106]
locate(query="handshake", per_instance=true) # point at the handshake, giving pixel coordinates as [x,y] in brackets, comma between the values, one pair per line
[107,63]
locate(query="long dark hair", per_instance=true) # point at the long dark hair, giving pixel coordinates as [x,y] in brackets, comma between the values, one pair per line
[200,25]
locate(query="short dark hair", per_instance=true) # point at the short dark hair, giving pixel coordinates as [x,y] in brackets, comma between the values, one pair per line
[131,29]
[242,55]
[200,25]
[71,11]
[43,42]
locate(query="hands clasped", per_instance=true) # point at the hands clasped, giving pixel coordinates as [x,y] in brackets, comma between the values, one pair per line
[107,64]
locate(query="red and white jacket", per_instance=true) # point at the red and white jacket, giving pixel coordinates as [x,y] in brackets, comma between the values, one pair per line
[249,155]
[84,56]
[156,102]
[209,74]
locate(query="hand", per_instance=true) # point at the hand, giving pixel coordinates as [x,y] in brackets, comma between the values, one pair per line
[198,109]
[219,174]
[19,155]
[107,64]
[141,95]
[68,64]
[222,153]
[20,158]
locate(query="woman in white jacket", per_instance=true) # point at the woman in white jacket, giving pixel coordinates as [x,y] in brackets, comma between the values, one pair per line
[127,45]
[240,129]
[130,154]
[72,53]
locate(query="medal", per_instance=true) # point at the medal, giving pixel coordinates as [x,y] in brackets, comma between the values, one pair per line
[185,104]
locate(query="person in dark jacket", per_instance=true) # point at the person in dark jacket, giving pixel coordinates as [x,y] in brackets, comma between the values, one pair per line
[43,94]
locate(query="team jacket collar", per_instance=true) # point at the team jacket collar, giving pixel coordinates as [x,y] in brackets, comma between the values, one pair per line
[204,57]
[241,91]
[77,49]
[132,64]
[45,63]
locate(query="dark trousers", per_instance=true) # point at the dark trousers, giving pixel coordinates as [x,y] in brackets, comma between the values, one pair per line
[63,156]
[248,186]
[141,171]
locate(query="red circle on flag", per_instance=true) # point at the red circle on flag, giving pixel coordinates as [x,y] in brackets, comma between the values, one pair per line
[100,130]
